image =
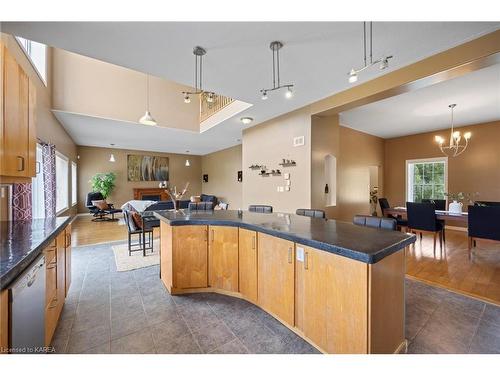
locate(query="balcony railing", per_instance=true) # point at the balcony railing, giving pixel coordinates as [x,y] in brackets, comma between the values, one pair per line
[208,109]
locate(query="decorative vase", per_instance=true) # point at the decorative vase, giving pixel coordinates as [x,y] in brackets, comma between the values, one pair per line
[455,207]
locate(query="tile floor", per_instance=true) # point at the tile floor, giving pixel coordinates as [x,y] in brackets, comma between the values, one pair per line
[130,312]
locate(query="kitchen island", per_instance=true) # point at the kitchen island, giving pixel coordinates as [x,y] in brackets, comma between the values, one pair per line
[339,286]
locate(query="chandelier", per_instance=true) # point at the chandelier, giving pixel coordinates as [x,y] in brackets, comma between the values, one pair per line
[456,146]
[275,48]
[198,53]
[382,61]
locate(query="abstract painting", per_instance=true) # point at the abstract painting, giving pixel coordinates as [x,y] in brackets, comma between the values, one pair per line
[147,168]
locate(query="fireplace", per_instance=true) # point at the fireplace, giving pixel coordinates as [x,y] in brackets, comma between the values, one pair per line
[152,194]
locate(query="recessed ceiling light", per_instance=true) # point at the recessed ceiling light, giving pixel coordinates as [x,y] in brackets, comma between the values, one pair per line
[246,120]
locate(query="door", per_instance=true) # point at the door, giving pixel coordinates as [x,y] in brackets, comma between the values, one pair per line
[248,264]
[276,276]
[15,131]
[223,258]
[67,259]
[190,256]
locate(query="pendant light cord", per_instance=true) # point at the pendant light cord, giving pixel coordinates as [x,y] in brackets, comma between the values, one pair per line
[147,90]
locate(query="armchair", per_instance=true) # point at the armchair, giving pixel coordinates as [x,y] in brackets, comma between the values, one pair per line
[100,214]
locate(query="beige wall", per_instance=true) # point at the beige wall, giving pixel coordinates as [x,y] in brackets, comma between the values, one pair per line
[48,128]
[267,144]
[96,88]
[222,168]
[96,160]
[325,139]
[358,152]
[476,170]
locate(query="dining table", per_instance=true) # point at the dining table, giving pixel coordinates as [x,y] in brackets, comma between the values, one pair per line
[462,217]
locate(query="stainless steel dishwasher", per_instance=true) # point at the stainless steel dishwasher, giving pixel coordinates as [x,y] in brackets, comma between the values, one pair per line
[27,308]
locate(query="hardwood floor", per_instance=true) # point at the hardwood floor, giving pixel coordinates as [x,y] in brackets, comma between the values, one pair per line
[87,232]
[449,268]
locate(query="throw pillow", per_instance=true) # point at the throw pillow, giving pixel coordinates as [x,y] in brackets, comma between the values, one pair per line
[195,199]
[137,219]
[101,204]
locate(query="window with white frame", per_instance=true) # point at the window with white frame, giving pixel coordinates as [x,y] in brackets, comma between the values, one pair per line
[73,183]
[37,188]
[37,55]
[62,182]
[426,179]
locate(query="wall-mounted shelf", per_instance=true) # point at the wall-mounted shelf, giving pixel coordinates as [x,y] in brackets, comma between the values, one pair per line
[256,166]
[288,163]
[276,172]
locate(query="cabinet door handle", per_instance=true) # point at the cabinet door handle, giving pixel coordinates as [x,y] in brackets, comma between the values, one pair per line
[213,235]
[206,235]
[290,255]
[306,261]
[38,167]
[253,243]
[21,159]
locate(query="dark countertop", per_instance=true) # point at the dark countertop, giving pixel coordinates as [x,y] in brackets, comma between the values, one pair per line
[21,242]
[364,244]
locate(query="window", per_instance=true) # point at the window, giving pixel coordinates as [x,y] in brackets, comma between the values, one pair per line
[62,182]
[426,179]
[37,188]
[73,183]
[37,55]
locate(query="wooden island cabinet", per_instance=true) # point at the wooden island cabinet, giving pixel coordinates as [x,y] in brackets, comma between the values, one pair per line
[338,304]
[247,262]
[223,258]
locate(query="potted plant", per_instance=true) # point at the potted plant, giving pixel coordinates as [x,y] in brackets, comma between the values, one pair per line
[103,183]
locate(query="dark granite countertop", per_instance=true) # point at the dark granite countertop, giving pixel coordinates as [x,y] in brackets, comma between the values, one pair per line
[22,241]
[364,244]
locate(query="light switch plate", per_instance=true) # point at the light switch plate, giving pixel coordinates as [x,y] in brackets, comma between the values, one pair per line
[299,254]
[288,183]
[287,188]
[287,176]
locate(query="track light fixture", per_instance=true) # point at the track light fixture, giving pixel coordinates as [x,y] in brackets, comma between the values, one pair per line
[383,61]
[198,53]
[275,48]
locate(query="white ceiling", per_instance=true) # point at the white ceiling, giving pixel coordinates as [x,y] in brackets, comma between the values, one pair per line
[476,94]
[134,136]
[316,56]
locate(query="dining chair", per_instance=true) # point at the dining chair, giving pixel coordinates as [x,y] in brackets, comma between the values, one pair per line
[375,222]
[483,224]
[310,213]
[384,203]
[422,219]
[440,203]
[262,208]
[441,206]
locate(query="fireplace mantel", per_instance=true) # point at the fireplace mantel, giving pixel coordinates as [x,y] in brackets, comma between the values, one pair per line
[146,193]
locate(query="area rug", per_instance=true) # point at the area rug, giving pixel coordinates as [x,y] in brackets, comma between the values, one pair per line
[125,262]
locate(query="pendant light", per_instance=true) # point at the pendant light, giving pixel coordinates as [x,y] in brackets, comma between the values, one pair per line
[147,119]
[383,61]
[187,164]
[198,53]
[111,156]
[275,48]
[456,146]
